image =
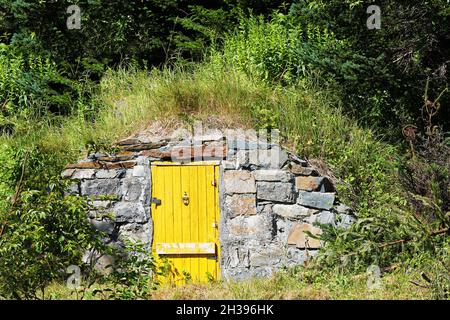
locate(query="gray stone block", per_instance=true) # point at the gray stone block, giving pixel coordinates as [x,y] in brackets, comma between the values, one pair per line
[101,187]
[293,211]
[136,232]
[235,256]
[274,158]
[74,189]
[316,199]
[276,191]
[103,225]
[255,227]
[130,212]
[266,256]
[239,181]
[324,217]
[141,171]
[240,205]
[132,189]
[229,165]
[109,174]
[273,175]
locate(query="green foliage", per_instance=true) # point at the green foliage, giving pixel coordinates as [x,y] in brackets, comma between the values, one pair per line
[132,277]
[285,50]
[309,69]
[41,235]
[396,61]
[33,85]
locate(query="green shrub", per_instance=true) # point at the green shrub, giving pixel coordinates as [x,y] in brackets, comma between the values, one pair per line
[42,234]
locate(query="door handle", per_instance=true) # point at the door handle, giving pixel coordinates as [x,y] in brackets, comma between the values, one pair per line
[185,199]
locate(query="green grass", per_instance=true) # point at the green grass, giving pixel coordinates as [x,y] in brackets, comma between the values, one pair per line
[310,119]
[287,285]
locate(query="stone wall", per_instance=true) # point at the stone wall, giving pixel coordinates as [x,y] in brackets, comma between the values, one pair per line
[268,198]
[266,210]
[120,192]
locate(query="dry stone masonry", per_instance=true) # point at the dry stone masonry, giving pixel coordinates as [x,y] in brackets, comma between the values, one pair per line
[269,198]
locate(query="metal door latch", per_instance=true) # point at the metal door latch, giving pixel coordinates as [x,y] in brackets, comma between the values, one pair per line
[156,201]
[185,199]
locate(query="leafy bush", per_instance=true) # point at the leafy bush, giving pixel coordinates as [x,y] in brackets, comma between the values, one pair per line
[41,234]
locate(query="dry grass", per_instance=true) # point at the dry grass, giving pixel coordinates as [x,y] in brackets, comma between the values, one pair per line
[281,287]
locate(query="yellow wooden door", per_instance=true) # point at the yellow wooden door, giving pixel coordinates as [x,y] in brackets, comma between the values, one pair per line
[185,212]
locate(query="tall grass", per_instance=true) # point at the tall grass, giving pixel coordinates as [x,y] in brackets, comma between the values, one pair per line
[310,119]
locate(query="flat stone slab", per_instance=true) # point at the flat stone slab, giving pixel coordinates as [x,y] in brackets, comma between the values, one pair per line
[255,226]
[157,154]
[144,146]
[273,175]
[303,171]
[100,187]
[84,165]
[322,184]
[67,174]
[121,156]
[83,174]
[276,191]
[240,144]
[293,211]
[317,200]
[241,205]
[118,165]
[109,174]
[129,141]
[298,236]
[239,181]
[324,217]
